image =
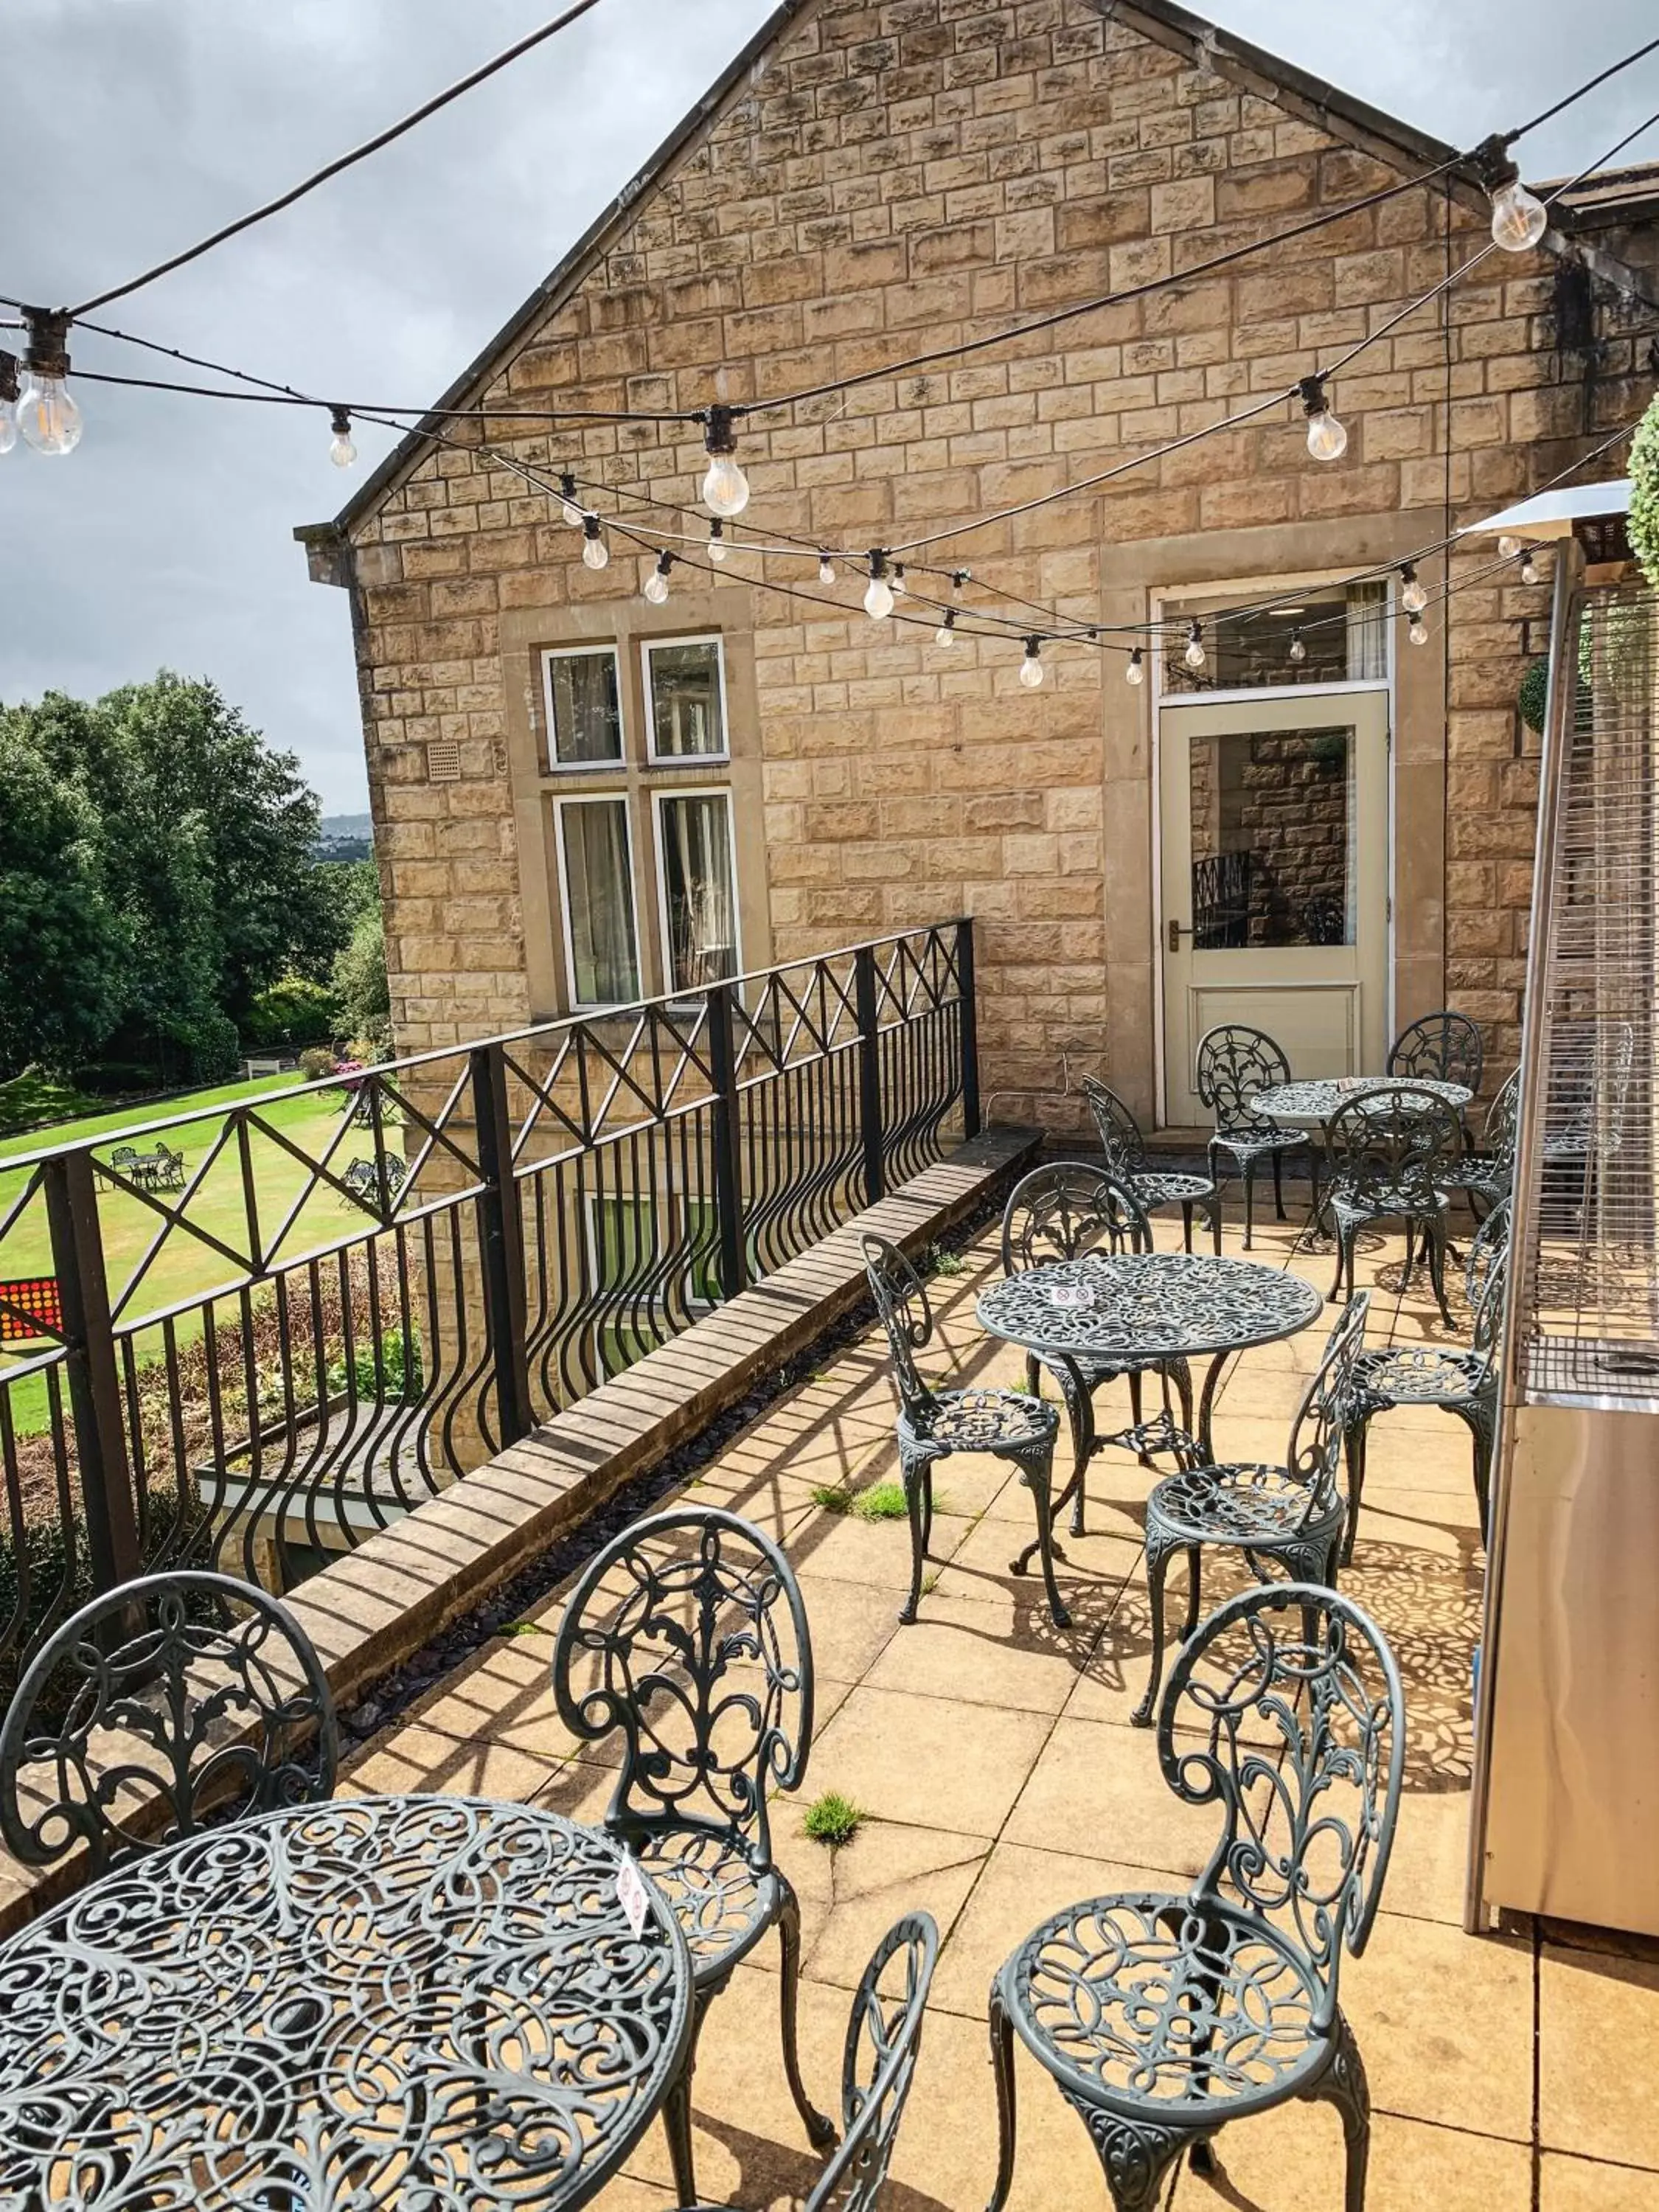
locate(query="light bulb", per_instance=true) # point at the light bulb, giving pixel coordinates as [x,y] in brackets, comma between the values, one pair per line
[1031,669]
[595,552]
[718,548]
[656,584]
[1418,630]
[1136,671]
[898,580]
[946,632]
[1327,439]
[1413,596]
[826,569]
[1298,650]
[48,418]
[341,450]
[1529,567]
[1518,219]
[8,425]
[570,512]
[1194,656]
[725,488]
[1508,548]
[878,597]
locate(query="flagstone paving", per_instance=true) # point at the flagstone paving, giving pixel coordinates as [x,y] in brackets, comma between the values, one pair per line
[992,1756]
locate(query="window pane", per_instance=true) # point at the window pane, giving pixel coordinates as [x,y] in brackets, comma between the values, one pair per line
[1272,823]
[584,708]
[697,890]
[1326,634]
[605,965]
[685,700]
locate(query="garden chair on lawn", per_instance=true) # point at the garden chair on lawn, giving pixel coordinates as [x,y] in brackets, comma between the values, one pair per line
[1161,2018]
[1010,1424]
[152,1707]
[686,1636]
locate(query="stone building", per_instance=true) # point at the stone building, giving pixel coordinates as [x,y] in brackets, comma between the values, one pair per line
[582,797]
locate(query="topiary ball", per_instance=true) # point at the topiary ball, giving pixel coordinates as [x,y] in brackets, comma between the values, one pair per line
[1534,693]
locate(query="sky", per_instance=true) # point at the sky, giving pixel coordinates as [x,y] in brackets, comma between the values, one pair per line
[131,127]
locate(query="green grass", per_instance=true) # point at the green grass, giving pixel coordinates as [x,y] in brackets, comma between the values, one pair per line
[834,1819]
[112,1119]
[883,1501]
[941,1262]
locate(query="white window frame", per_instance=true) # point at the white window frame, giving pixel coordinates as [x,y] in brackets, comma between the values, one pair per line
[661,794]
[616,798]
[586,652]
[681,1203]
[693,760]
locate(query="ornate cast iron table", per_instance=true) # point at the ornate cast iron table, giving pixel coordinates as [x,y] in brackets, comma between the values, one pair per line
[415,2002]
[1187,1303]
[1311,1105]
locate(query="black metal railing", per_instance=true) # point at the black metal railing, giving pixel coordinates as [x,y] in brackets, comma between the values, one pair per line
[252,1335]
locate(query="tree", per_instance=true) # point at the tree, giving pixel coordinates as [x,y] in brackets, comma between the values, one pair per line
[360,980]
[62,949]
[336,893]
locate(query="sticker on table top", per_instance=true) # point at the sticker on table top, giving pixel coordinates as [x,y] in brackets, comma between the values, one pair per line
[631,1892]
[1070,1298]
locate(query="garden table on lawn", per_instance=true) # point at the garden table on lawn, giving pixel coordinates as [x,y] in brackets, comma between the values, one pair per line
[1110,1306]
[389,2001]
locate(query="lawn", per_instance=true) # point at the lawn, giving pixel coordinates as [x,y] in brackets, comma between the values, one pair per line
[185,1266]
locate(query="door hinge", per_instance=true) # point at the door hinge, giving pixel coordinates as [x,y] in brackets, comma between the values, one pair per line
[1389,916]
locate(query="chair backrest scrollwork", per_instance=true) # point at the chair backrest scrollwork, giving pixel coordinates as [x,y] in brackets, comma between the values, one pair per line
[1314,1449]
[687,1634]
[1490,1243]
[901,1299]
[1498,1131]
[1388,1146]
[1445,1046]
[154,1708]
[1235,1064]
[1066,1209]
[1294,1697]
[1119,1131]
[883,2036]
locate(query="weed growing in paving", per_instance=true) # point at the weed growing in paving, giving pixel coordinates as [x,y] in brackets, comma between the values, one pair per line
[834,1819]
[883,1501]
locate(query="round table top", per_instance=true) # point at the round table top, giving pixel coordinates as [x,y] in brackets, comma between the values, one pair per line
[390,2001]
[1311,1105]
[1111,1305]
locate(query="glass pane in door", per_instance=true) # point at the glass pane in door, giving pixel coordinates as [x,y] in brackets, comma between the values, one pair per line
[699,905]
[1273,848]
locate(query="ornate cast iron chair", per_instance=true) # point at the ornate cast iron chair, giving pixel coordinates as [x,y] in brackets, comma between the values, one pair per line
[932,1424]
[157,1708]
[1446,1048]
[1293,1515]
[1463,1382]
[1389,1153]
[687,1636]
[1487,1172]
[1062,1212]
[1162,2018]
[1235,1063]
[1126,1154]
[883,2036]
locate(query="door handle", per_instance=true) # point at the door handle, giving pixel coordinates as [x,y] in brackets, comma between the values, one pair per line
[1176,930]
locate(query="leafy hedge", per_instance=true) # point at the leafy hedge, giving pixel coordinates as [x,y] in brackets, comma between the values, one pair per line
[1644,494]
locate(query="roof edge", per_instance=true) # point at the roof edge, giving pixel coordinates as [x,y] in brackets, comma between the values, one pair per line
[563,277]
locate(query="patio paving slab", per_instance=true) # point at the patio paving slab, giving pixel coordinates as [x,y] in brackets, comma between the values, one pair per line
[1581,2185]
[935,1762]
[1596,2027]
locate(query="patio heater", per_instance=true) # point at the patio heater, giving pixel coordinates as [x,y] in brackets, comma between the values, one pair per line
[1567,1754]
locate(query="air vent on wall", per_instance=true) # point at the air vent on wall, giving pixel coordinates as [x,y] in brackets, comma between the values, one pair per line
[443,761]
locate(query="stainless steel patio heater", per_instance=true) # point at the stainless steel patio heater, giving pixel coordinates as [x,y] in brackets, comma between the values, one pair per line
[1566,1768]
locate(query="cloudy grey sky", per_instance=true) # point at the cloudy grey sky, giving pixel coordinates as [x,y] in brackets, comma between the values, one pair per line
[131,127]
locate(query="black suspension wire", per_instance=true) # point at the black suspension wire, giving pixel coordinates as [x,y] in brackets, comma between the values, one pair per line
[1549,114]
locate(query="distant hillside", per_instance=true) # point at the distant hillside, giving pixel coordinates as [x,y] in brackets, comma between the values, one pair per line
[345,837]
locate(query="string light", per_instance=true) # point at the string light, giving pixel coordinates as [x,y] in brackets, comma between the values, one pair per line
[1298,650]
[1327,439]
[718,548]
[8,401]
[1518,219]
[595,552]
[570,508]
[1135,671]
[1413,596]
[826,569]
[946,632]
[47,418]
[1508,547]
[1529,567]
[1031,669]
[341,450]
[1418,630]
[898,580]
[725,488]
[878,598]
[1194,656]
[656,584]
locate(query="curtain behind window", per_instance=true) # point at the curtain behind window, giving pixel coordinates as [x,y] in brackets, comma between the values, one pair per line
[697,890]
[1368,633]
[605,965]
